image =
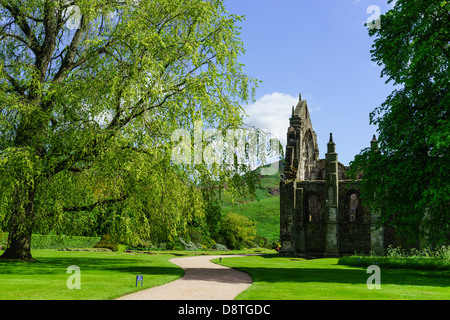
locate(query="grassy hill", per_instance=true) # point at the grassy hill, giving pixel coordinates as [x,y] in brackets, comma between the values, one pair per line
[265,213]
[264,210]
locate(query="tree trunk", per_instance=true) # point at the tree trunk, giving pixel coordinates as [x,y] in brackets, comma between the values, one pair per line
[19,247]
[21,225]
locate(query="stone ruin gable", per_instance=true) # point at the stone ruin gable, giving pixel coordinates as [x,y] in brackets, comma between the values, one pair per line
[320,208]
[302,151]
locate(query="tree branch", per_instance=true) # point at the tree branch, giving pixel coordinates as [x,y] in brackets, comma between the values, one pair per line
[67,63]
[92,206]
[19,89]
[33,44]
[135,149]
[78,169]
[15,36]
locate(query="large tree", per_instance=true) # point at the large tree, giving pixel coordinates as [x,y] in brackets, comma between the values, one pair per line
[408,177]
[90,92]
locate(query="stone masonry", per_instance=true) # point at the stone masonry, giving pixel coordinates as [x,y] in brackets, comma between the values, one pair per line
[321,214]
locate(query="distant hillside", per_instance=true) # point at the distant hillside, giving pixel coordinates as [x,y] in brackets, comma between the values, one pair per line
[270,184]
[265,213]
[264,210]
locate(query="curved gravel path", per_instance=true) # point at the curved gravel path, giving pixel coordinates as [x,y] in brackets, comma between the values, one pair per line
[203,280]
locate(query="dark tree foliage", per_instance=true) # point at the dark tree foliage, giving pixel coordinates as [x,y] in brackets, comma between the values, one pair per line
[408,178]
[91,93]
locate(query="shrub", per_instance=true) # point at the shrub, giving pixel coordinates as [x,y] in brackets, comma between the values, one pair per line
[208,242]
[220,247]
[190,246]
[3,239]
[194,235]
[107,242]
[425,259]
[444,253]
[262,242]
[237,231]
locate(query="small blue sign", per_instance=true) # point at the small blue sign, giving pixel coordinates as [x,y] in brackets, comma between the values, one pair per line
[139,278]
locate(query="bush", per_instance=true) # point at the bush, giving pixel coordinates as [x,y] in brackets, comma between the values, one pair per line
[262,242]
[3,239]
[208,242]
[425,259]
[190,246]
[237,231]
[107,242]
[220,247]
[194,235]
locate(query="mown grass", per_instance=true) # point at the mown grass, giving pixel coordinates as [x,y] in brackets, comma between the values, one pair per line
[103,275]
[282,278]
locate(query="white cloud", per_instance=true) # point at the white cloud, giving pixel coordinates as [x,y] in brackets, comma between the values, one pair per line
[392,4]
[271,113]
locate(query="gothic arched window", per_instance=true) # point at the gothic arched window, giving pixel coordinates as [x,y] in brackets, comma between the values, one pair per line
[313,213]
[354,205]
[308,154]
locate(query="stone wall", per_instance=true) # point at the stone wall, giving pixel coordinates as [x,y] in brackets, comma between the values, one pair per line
[321,213]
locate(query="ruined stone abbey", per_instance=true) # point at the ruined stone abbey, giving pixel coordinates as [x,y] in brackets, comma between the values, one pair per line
[321,214]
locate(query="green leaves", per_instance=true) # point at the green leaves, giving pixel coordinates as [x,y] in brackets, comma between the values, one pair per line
[95,105]
[409,177]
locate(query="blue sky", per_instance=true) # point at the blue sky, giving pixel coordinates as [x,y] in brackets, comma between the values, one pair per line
[320,49]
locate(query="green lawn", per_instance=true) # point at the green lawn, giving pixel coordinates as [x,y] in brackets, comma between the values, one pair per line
[103,275]
[108,275]
[280,278]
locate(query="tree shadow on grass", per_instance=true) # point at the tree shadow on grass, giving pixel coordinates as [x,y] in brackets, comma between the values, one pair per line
[301,272]
[348,276]
[269,274]
[58,265]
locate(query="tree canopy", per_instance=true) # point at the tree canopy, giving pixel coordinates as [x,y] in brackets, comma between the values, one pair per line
[408,175]
[90,93]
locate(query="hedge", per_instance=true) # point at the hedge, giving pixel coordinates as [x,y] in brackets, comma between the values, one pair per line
[56,242]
